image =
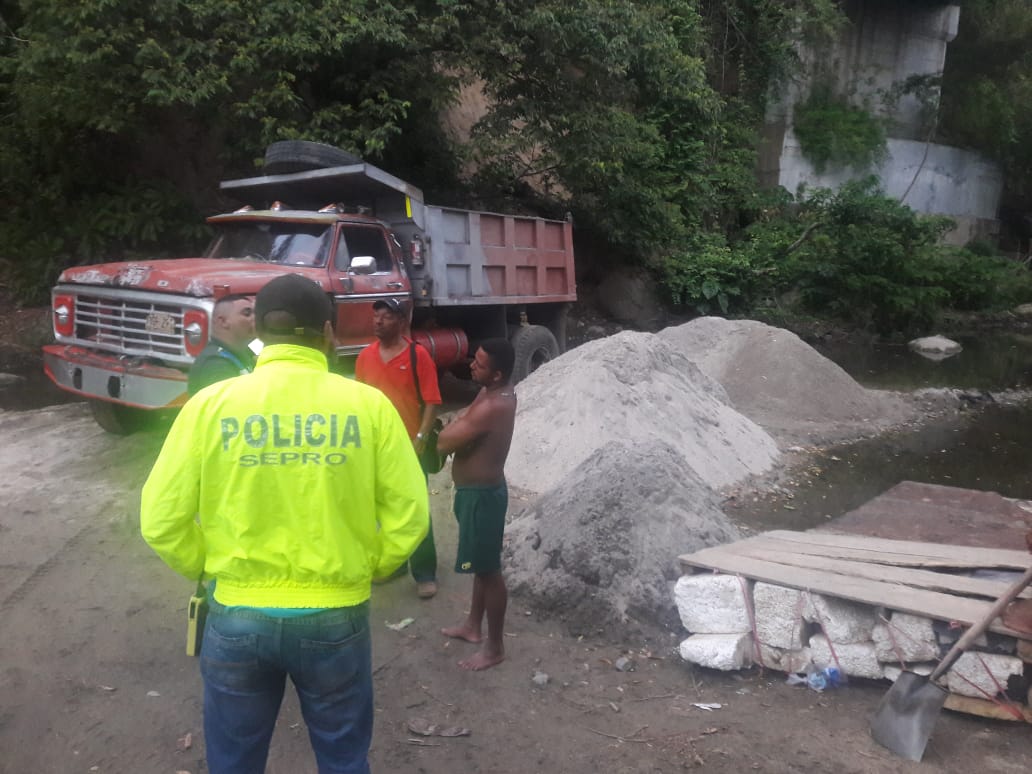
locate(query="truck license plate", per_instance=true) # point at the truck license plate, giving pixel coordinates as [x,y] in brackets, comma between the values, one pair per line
[160,322]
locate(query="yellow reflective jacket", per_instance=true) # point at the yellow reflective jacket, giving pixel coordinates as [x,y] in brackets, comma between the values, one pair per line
[291,486]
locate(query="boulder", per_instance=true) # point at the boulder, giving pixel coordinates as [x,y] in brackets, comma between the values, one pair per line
[935,347]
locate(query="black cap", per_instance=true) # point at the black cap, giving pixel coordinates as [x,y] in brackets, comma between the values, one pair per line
[395,305]
[304,305]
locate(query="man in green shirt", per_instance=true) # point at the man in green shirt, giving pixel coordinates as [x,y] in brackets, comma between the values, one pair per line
[227,354]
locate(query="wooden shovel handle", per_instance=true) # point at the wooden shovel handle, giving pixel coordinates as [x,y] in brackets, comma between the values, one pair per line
[978,627]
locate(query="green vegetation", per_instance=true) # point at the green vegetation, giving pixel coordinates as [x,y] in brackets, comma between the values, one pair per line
[854,254]
[640,118]
[987,87]
[832,131]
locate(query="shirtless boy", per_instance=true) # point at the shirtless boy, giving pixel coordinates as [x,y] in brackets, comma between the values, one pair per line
[480,439]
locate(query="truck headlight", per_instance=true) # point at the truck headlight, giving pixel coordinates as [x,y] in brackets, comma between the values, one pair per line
[195,331]
[64,315]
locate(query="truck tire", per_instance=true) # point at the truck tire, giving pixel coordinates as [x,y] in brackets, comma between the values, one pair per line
[116,418]
[289,156]
[534,345]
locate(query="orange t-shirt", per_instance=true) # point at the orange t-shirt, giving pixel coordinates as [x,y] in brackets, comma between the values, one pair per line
[394,379]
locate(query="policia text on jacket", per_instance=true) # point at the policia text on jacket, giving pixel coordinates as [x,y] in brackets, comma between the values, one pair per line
[285,431]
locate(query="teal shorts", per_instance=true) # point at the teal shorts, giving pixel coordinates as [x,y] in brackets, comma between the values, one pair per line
[480,511]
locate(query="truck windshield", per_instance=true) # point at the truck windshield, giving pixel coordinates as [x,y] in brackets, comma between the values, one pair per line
[292,244]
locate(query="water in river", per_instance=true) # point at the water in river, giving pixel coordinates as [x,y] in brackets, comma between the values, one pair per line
[991,361]
[982,449]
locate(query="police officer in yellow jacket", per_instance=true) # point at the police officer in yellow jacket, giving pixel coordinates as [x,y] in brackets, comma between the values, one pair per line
[292,488]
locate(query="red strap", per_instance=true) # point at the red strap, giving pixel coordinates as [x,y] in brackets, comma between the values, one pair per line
[892,638]
[1007,707]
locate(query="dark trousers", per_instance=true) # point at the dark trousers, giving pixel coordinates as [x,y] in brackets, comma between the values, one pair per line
[423,562]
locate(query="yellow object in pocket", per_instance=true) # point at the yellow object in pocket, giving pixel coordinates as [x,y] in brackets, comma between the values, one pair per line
[196,615]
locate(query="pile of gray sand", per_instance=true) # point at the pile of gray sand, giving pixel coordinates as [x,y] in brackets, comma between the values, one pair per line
[600,550]
[627,440]
[782,383]
[626,389]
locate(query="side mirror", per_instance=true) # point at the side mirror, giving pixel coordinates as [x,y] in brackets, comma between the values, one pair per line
[362,264]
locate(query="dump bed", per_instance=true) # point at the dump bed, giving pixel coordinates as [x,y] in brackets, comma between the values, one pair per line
[488,258]
[469,258]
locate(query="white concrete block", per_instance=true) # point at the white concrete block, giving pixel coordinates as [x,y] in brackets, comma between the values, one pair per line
[783,660]
[779,615]
[841,620]
[906,637]
[892,671]
[856,659]
[970,665]
[728,652]
[712,604]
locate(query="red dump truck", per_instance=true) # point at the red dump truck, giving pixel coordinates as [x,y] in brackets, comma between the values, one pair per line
[126,333]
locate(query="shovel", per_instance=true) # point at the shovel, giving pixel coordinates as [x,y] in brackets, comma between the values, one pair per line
[907,713]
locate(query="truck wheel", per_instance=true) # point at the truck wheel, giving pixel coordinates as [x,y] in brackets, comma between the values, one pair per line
[534,345]
[116,418]
[289,156]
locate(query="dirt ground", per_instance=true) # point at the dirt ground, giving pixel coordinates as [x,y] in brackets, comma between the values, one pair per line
[94,678]
[93,675]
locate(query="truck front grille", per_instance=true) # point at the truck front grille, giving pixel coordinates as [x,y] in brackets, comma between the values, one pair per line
[130,323]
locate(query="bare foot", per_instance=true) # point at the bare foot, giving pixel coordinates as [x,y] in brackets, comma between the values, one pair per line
[482,660]
[463,632]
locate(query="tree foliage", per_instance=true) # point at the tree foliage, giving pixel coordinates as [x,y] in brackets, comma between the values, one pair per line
[987,86]
[624,113]
[639,117]
[854,254]
[150,103]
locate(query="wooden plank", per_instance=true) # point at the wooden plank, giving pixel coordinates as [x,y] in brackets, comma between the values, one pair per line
[984,557]
[931,604]
[877,557]
[985,708]
[938,514]
[923,579]
[895,558]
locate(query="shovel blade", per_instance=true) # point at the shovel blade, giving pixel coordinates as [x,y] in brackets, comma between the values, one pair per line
[906,716]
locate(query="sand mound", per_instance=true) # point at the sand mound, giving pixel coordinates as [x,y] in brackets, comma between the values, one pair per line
[782,383]
[628,388]
[629,437]
[601,548]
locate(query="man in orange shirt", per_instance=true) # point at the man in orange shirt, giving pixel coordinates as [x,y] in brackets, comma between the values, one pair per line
[387,364]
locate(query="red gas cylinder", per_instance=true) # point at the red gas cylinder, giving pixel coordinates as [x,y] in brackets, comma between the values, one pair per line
[447,346]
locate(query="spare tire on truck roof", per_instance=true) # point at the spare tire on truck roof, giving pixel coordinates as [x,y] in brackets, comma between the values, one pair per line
[288,156]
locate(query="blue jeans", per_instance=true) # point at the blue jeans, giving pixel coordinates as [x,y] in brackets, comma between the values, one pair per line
[245,659]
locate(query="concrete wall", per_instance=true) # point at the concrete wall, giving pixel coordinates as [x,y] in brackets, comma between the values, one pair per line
[928,178]
[885,43]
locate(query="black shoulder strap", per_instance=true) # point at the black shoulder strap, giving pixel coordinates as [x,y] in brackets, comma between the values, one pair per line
[415,374]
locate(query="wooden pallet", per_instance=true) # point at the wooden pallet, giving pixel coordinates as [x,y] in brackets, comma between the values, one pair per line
[902,575]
